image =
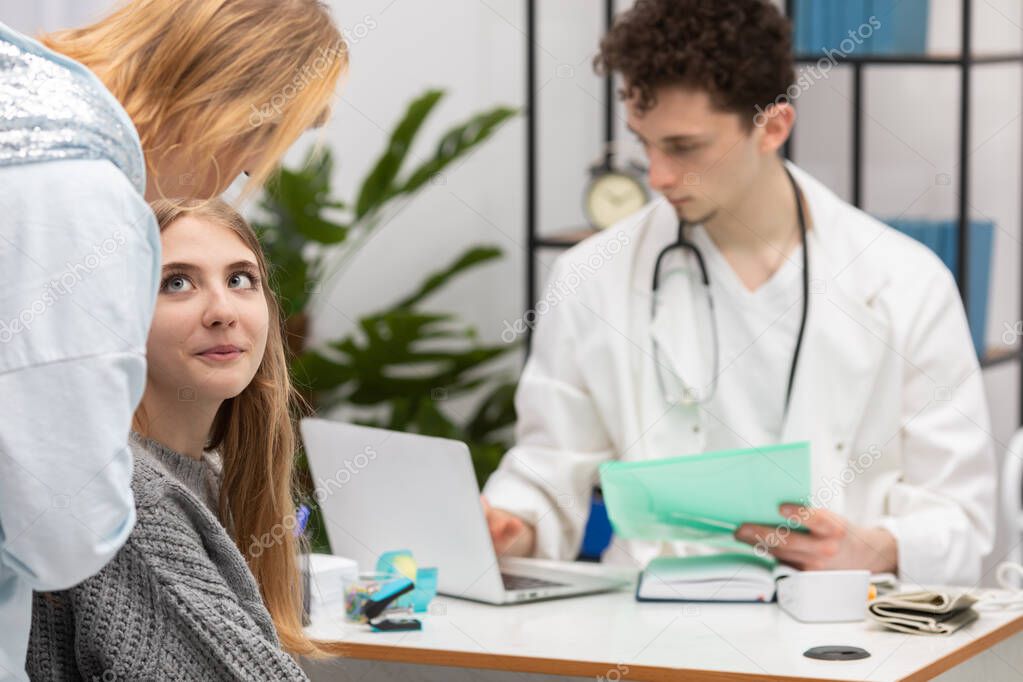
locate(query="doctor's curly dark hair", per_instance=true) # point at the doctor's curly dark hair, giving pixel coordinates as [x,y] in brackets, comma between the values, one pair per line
[738,51]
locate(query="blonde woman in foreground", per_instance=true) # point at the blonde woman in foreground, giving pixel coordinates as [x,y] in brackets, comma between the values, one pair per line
[160,98]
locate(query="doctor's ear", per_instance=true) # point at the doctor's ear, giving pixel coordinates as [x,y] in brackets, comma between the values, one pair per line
[773,125]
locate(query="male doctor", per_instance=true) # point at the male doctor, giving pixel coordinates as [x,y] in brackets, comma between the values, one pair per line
[749,306]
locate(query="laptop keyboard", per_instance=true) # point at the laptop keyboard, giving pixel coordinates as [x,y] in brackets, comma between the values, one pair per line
[521,582]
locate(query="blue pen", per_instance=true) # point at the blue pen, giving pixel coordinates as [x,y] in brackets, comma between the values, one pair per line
[301,519]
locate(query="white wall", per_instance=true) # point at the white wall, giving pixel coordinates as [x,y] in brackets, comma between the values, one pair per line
[49,15]
[475,50]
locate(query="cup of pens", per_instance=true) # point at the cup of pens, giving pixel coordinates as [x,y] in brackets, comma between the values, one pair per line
[358,591]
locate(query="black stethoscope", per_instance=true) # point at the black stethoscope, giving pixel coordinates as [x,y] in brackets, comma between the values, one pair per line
[683,243]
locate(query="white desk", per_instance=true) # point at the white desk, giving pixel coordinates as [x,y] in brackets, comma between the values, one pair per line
[613,637]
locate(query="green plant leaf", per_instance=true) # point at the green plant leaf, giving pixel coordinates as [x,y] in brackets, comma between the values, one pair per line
[402,353]
[319,373]
[485,459]
[403,363]
[495,413]
[472,258]
[303,195]
[456,143]
[377,187]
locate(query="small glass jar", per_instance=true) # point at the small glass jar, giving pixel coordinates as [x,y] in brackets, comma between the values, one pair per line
[358,592]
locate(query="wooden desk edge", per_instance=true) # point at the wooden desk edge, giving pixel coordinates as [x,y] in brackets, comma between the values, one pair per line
[531,664]
[967,651]
[556,666]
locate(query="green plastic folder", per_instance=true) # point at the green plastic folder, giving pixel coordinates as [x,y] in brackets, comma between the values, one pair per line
[705,497]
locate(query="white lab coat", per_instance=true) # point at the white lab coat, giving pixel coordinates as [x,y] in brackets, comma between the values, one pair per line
[888,391]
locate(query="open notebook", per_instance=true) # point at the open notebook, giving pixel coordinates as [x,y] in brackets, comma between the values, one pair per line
[704,498]
[717,577]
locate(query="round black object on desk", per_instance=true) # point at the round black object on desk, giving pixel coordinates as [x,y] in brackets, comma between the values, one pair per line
[836,653]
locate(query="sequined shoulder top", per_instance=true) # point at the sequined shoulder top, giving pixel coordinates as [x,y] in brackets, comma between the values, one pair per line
[53,108]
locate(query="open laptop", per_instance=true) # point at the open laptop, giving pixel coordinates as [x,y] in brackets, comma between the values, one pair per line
[385,490]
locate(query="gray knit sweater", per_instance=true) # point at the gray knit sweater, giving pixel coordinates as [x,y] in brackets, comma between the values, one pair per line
[177,602]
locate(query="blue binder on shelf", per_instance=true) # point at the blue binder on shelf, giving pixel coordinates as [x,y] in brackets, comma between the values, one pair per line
[830,14]
[883,40]
[823,24]
[909,26]
[874,43]
[809,18]
[834,20]
[940,237]
[800,29]
[852,16]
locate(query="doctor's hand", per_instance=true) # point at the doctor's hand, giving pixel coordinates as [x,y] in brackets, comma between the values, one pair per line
[832,543]
[511,535]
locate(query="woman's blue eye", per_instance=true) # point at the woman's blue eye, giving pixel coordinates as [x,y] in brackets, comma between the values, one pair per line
[242,280]
[176,283]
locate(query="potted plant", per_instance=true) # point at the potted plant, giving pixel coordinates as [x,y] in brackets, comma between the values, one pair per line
[399,365]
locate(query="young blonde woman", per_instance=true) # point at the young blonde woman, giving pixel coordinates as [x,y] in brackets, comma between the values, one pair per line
[160,98]
[189,596]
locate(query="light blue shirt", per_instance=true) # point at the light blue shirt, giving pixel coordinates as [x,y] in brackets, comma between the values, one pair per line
[80,257]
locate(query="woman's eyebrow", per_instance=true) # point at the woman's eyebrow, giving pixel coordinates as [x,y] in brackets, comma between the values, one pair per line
[186,267]
[190,267]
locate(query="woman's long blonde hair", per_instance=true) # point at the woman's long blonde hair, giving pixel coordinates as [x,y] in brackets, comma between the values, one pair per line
[203,76]
[255,435]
